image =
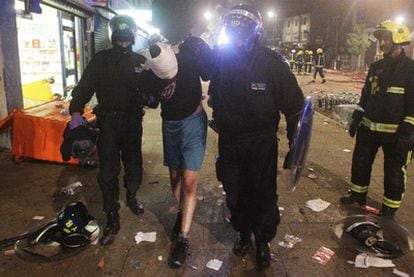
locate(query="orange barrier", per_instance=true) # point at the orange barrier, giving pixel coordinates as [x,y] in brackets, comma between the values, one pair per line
[38,132]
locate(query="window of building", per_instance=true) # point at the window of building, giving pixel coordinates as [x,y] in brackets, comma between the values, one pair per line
[304,21]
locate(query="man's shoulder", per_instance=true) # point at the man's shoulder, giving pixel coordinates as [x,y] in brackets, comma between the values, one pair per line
[274,57]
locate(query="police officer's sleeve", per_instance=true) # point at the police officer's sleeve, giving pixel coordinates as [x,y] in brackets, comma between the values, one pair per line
[292,100]
[85,89]
[205,61]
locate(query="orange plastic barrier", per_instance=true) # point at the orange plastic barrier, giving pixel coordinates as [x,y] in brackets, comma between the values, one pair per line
[38,132]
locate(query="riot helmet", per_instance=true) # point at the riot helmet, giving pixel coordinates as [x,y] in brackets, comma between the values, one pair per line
[399,31]
[123,28]
[73,218]
[243,25]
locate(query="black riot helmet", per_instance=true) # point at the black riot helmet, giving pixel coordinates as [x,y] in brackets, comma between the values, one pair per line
[123,28]
[243,24]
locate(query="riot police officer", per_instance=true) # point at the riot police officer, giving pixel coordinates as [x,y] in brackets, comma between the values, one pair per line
[385,118]
[250,86]
[114,75]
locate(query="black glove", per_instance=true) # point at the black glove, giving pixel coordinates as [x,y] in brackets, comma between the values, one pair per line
[287,164]
[353,128]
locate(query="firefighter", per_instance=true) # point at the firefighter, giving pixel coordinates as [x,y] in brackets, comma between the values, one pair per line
[292,58]
[319,64]
[114,75]
[249,88]
[299,61]
[385,118]
[308,61]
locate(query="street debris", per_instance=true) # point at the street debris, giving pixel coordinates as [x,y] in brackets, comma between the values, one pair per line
[200,197]
[289,241]
[159,258]
[219,202]
[224,193]
[317,205]
[400,273]
[220,186]
[150,162]
[273,257]
[137,264]
[365,261]
[323,255]
[370,209]
[192,267]
[38,217]
[312,176]
[281,209]
[214,264]
[310,169]
[101,264]
[72,188]
[153,182]
[141,236]
[9,252]
[347,150]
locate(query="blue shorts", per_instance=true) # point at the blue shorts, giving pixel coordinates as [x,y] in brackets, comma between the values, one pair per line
[185,142]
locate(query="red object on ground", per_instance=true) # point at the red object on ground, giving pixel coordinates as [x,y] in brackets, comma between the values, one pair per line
[370,209]
[38,131]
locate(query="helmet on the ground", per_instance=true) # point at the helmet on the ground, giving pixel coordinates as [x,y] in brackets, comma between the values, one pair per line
[123,28]
[400,32]
[243,22]
[319,51]
[73,218]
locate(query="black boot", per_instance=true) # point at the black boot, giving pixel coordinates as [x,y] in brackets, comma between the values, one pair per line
[135,206]
[179,252]
[177,226]
[111,229]
[354,197]
[241,245]
[388,212]
[262,255]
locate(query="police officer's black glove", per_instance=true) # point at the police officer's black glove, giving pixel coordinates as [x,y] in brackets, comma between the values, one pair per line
[287,164]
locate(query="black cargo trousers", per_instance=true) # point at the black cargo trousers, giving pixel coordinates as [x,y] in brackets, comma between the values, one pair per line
[119,138]
[247,167]
[395,165]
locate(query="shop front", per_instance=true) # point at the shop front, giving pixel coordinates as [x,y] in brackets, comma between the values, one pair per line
[52,49]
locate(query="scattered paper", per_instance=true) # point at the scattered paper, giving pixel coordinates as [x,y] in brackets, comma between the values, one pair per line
[312,176]
[72,188]
[192,266]
[141,236]
[281,209]
[347,150]
[317,205]
[220,186]
[214,264]
[159,258]
[38,217]
[400,273]
[323,255]
[365,261]
[289,241]
[310,169]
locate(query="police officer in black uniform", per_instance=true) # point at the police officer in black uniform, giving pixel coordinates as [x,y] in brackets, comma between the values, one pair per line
[385,118]
[114,75]
[251,85]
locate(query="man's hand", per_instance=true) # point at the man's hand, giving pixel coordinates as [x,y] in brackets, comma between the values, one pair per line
[76,121]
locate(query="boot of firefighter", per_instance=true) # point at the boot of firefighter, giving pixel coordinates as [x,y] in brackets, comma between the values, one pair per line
[354,197]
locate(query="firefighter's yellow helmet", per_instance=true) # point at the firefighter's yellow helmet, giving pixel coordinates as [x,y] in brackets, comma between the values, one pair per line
[300,52]
[310,52]
[400,32]
[319,51]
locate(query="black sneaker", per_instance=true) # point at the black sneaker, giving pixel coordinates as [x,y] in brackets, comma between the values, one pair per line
[111,229]
[179,252]
[177,226]
[135,206]
[241,245]
[388,212]
[353,197]
[263,257]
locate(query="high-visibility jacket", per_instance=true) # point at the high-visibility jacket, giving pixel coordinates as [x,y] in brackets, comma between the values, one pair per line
[388,96]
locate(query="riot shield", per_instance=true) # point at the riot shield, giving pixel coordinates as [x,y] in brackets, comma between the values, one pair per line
[373,235]
[300,146]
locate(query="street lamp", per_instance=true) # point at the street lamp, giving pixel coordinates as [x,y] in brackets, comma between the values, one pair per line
[399,19]
[270,14]
[272,18]
[208,15]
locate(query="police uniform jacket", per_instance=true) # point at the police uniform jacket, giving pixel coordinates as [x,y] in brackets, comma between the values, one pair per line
[388,96]
[114,76]
[250,89]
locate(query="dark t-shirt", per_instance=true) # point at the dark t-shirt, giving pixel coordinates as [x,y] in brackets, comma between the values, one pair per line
[195,60]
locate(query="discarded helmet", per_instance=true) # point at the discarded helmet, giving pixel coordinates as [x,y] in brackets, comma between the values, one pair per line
[400,32]
[73,218]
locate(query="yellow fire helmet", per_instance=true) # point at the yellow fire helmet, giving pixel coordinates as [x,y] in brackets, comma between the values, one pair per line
[400,32]
[310,52]
[319,51]
[300,52]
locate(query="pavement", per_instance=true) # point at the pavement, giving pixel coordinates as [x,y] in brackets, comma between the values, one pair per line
[33,188]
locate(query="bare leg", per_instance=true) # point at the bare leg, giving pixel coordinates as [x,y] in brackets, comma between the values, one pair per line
[189,199]
[175,181]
